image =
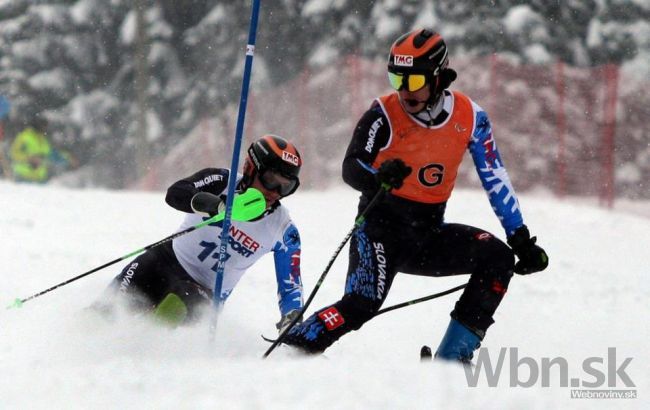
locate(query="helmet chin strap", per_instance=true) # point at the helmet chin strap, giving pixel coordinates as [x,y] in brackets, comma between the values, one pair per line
[434,95]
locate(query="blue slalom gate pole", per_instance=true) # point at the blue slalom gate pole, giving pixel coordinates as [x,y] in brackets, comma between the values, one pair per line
[218,298]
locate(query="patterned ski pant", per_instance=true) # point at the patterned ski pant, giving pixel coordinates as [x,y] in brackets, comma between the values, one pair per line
[379,250]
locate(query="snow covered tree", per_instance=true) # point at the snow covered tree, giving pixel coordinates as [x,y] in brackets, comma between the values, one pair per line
[474,27]
[619,31]
[74,61]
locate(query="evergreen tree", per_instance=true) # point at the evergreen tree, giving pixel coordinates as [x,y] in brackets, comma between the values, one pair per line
[619,31]
[474,27]
[74,61]
[567,25]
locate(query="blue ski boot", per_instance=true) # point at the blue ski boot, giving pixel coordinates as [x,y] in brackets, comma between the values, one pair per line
[458,343]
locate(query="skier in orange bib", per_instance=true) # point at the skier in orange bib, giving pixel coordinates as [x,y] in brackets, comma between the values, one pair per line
[413,140]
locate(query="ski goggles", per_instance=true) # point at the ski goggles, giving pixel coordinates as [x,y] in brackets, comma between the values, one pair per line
[279,183]
[410,82]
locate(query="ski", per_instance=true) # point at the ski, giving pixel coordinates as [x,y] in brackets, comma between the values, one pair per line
[425,354]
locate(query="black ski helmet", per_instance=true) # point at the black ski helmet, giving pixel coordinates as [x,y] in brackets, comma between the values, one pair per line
[423,51]
[274,153]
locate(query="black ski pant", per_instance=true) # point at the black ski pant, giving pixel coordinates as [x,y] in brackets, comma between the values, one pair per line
[150,277]
[379,249]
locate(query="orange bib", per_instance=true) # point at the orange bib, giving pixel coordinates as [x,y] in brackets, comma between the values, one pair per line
[434,154]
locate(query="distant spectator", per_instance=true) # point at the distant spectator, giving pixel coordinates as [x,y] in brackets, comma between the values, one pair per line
[33,156]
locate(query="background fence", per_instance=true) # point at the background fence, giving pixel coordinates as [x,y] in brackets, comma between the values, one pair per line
[572,131]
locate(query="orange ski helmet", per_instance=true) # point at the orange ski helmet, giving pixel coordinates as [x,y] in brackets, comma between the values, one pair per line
[275,154]
[420,51]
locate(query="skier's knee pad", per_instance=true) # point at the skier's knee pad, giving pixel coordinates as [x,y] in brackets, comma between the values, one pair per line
[192,295]
[356,310]
[171,310]
[326,326]
[498,260]
[493,270]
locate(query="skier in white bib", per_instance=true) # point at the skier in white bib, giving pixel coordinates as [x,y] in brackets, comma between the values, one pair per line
[175,279]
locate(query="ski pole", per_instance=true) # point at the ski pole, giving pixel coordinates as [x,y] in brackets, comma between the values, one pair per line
[217,299]
[249,205]
[420,300]
[360,219]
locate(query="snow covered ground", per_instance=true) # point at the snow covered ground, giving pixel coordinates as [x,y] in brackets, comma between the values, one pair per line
[595,295]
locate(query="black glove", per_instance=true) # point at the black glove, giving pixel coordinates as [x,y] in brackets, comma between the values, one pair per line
[532,258]
[392,172]
[287,319]
[208,204]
